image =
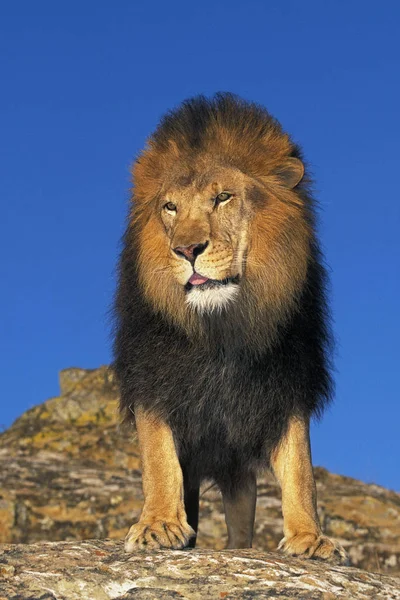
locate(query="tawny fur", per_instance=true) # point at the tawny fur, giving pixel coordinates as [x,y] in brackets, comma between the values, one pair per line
[224,377]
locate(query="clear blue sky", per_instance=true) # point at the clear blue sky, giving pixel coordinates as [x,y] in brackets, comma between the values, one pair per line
[83,83]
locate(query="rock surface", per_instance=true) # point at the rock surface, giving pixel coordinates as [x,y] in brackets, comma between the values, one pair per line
[99,570]
[69,472]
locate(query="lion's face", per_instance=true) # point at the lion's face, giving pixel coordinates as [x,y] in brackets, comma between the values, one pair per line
[206,224]
[212,230]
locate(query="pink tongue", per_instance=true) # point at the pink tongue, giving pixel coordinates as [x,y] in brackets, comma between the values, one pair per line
[197,279]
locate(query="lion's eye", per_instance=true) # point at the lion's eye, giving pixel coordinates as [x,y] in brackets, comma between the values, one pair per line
[222,197]
[170,206]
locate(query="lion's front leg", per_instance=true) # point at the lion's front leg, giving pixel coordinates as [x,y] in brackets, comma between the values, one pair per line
[292,466]
[163,522]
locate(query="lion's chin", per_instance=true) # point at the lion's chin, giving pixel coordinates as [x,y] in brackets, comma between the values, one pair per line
[212,295]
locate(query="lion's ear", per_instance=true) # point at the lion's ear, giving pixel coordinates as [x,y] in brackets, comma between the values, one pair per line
[291,172]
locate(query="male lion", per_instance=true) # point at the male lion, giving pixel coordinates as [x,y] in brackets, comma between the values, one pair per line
[222,343]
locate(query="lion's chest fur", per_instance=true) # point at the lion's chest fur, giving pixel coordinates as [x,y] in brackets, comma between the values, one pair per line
[227,407]
[227,410]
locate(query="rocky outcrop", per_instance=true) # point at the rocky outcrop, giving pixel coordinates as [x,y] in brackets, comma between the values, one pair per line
[69,472]
[99,570]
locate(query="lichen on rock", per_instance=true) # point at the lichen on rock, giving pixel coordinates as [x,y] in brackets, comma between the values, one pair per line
[101,570]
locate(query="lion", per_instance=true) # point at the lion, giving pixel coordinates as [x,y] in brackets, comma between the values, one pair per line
[223,340]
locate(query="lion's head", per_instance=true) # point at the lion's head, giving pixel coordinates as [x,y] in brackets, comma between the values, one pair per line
[221,213]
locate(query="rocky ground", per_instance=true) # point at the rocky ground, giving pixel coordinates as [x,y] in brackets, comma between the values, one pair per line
[100,570]
[69,472]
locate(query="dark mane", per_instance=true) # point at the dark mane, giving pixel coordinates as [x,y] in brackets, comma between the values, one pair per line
[235,389]
[190,123]
[237,133]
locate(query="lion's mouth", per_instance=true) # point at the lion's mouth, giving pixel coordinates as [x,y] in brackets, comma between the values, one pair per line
[204,283]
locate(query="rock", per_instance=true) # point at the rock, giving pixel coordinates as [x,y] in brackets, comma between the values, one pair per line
[68,471]
[99,570]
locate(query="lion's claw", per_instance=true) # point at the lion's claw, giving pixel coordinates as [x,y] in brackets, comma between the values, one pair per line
[309,545]
[158,534]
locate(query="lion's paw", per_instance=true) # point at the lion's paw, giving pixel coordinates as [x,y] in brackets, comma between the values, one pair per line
[309,545]
[158,534]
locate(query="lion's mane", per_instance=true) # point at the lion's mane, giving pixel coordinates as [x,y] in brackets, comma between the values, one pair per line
[226,383]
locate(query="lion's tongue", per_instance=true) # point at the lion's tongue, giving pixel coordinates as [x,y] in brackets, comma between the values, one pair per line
[197,279]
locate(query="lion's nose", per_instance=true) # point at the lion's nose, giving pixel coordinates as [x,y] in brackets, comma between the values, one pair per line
[190,252]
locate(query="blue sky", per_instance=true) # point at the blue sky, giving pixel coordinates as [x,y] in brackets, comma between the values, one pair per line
[84,83]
